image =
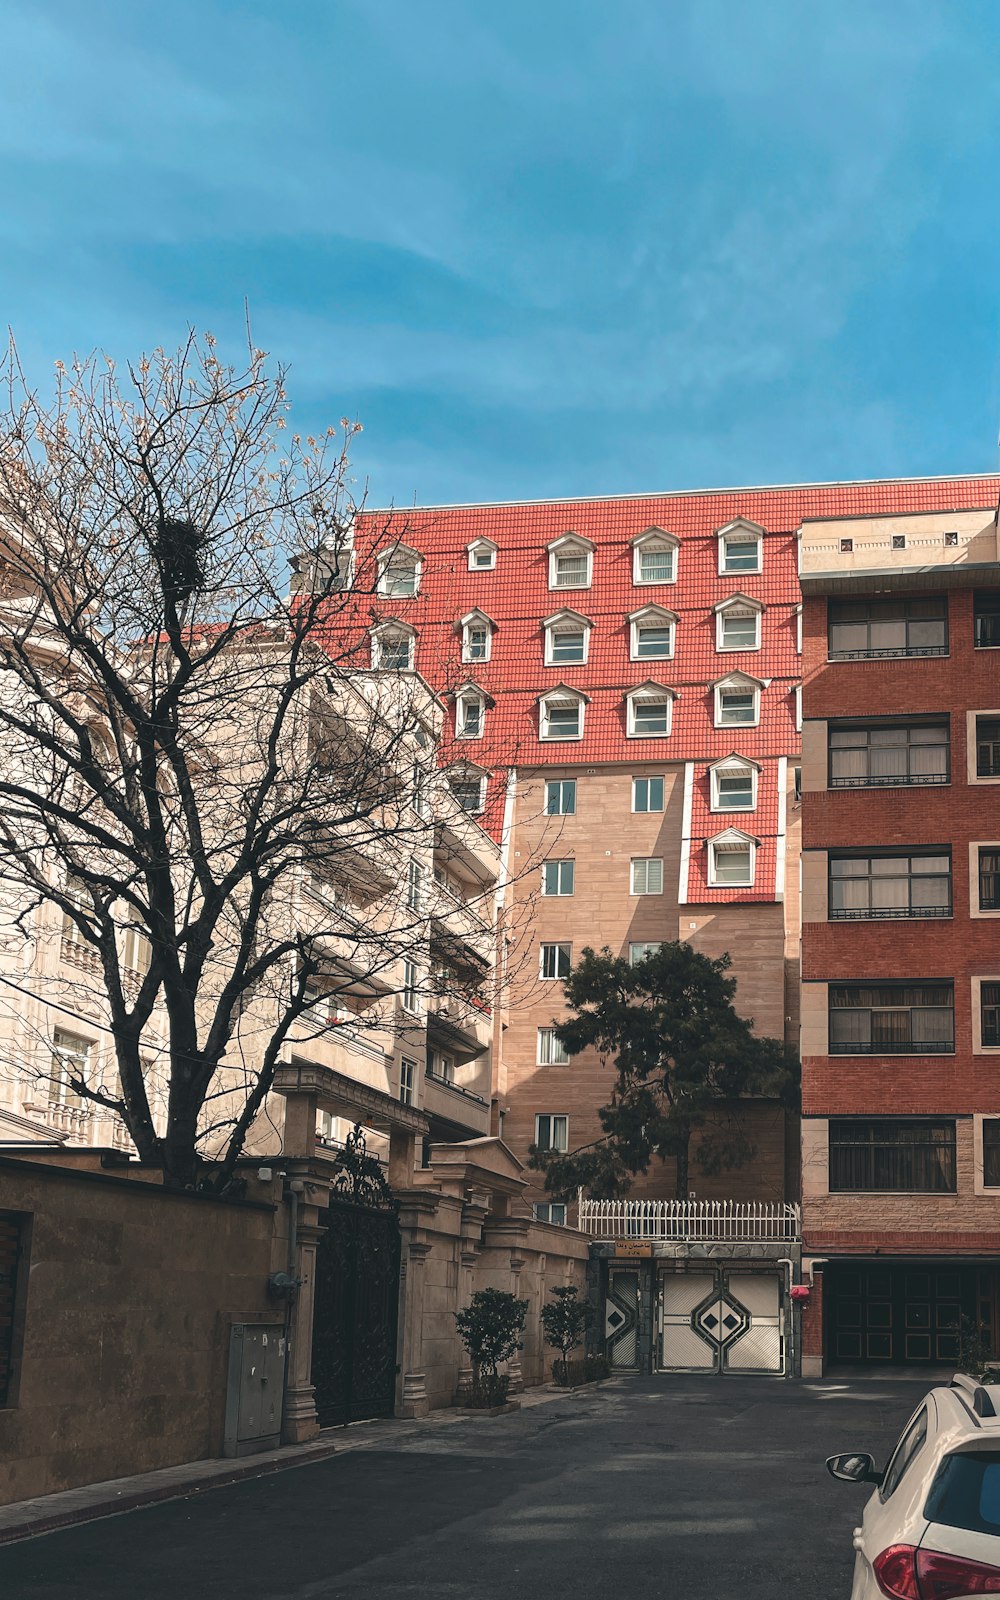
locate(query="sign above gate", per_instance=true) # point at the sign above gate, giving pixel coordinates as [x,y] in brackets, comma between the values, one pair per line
[633,1248]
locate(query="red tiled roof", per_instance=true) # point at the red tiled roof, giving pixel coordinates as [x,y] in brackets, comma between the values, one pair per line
[515,595]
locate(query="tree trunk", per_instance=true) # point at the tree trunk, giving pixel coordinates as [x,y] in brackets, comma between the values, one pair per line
[683,1163]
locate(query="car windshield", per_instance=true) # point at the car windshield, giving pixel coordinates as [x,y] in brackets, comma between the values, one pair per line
[966,1492]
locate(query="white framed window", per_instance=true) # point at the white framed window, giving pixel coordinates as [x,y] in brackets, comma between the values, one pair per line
[647,794]
[567,639]
[393,648]
[554,960]
[76,892]
[646,875]
[469,789]
[638,952]
[649,711]
[797,706]
[737,701]
[741,545]
[477,636]
[411,988]
[798,630]
[558,877]
[654,557]
[470,714]
[652,633]
[399,570]
[550,1211]
[550,1052]
[482,555]
[70,1059]
[733,784]
[737,623]
[571,562]
[441,1066]
[560,797]
[552,1132]
[137,952]
[731,860]
[415,886]
[561,714]
[407,1081]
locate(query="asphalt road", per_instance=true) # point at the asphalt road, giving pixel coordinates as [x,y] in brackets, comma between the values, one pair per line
[687,1488]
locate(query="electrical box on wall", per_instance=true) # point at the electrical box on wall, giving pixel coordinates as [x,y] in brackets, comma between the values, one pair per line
[255,1387]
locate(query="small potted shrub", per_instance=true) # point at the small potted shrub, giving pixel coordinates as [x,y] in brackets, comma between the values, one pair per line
[565,1325]
[490,1329]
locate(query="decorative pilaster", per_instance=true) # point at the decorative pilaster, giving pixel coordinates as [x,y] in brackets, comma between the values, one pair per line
[299,1420]
[416,1210]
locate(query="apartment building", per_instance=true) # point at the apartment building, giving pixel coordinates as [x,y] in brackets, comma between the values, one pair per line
[402,908]
[900,901]
[622,678]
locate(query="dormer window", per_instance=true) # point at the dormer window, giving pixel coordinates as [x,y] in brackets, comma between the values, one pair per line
[649,711]
[399,571]
[651,634]
[737,701]
[477,636]
[470,713]
[567,639]
[393,646]
[468,785]
[571,562]
[733,784]
[741,545]
[561,713]
[654,557]
[737,623]
[732,860]
[482,555]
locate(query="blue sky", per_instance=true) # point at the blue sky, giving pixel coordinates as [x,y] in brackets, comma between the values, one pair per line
[543,248]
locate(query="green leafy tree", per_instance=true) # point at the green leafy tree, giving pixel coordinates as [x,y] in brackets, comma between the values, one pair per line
[490,1328]
[565,1324]
[684,1060]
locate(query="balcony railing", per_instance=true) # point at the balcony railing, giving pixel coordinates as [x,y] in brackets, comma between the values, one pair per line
[886,913]
[901,1047]
[82,1124]
[456,1088]
[890,652]
[692,1221]
[894,780]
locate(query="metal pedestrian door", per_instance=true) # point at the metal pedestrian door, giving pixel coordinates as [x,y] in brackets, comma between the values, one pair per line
[721,1321]
[621,1319]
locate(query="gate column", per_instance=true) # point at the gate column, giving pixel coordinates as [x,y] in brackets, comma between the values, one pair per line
[474,1214]
[417,1209]
[300,1421]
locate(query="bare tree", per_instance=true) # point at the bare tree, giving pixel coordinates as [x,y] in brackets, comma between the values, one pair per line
[194,752]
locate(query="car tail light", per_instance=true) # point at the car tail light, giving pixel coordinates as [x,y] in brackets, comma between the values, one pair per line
[896,1572]
[906,1573]
[942,1577]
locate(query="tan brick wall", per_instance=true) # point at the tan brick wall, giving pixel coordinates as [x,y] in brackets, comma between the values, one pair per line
[601,838]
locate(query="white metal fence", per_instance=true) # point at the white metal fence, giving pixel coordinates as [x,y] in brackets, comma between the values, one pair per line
[691,1221]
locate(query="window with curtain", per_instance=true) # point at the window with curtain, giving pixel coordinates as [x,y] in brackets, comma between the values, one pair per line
[892,1018]
[989,878]
[988,747]
[991,1152]
[986,611]
[890,885]
[872,629]
[884,1154]
[877,754]
[989,1014]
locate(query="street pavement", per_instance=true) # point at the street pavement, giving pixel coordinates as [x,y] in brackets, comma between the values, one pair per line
[681,1487]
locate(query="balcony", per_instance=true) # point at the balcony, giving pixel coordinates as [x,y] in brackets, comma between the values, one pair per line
[462,1107]
[692,1221]
[885,913]
[462,843]
[458,1028]
[82,1125]
[459,931]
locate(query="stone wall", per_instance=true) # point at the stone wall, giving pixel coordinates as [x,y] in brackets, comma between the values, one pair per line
[126,1297]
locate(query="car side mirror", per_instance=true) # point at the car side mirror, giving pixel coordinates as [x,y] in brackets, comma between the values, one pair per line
[855,1467]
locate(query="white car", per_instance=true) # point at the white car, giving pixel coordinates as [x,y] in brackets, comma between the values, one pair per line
[931,1530]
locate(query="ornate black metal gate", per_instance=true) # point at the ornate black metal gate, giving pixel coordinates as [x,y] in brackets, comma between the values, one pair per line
[356,1294]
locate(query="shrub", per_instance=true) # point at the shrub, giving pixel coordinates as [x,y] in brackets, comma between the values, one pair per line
[565,1324]
[489,1328]
[569,1374]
